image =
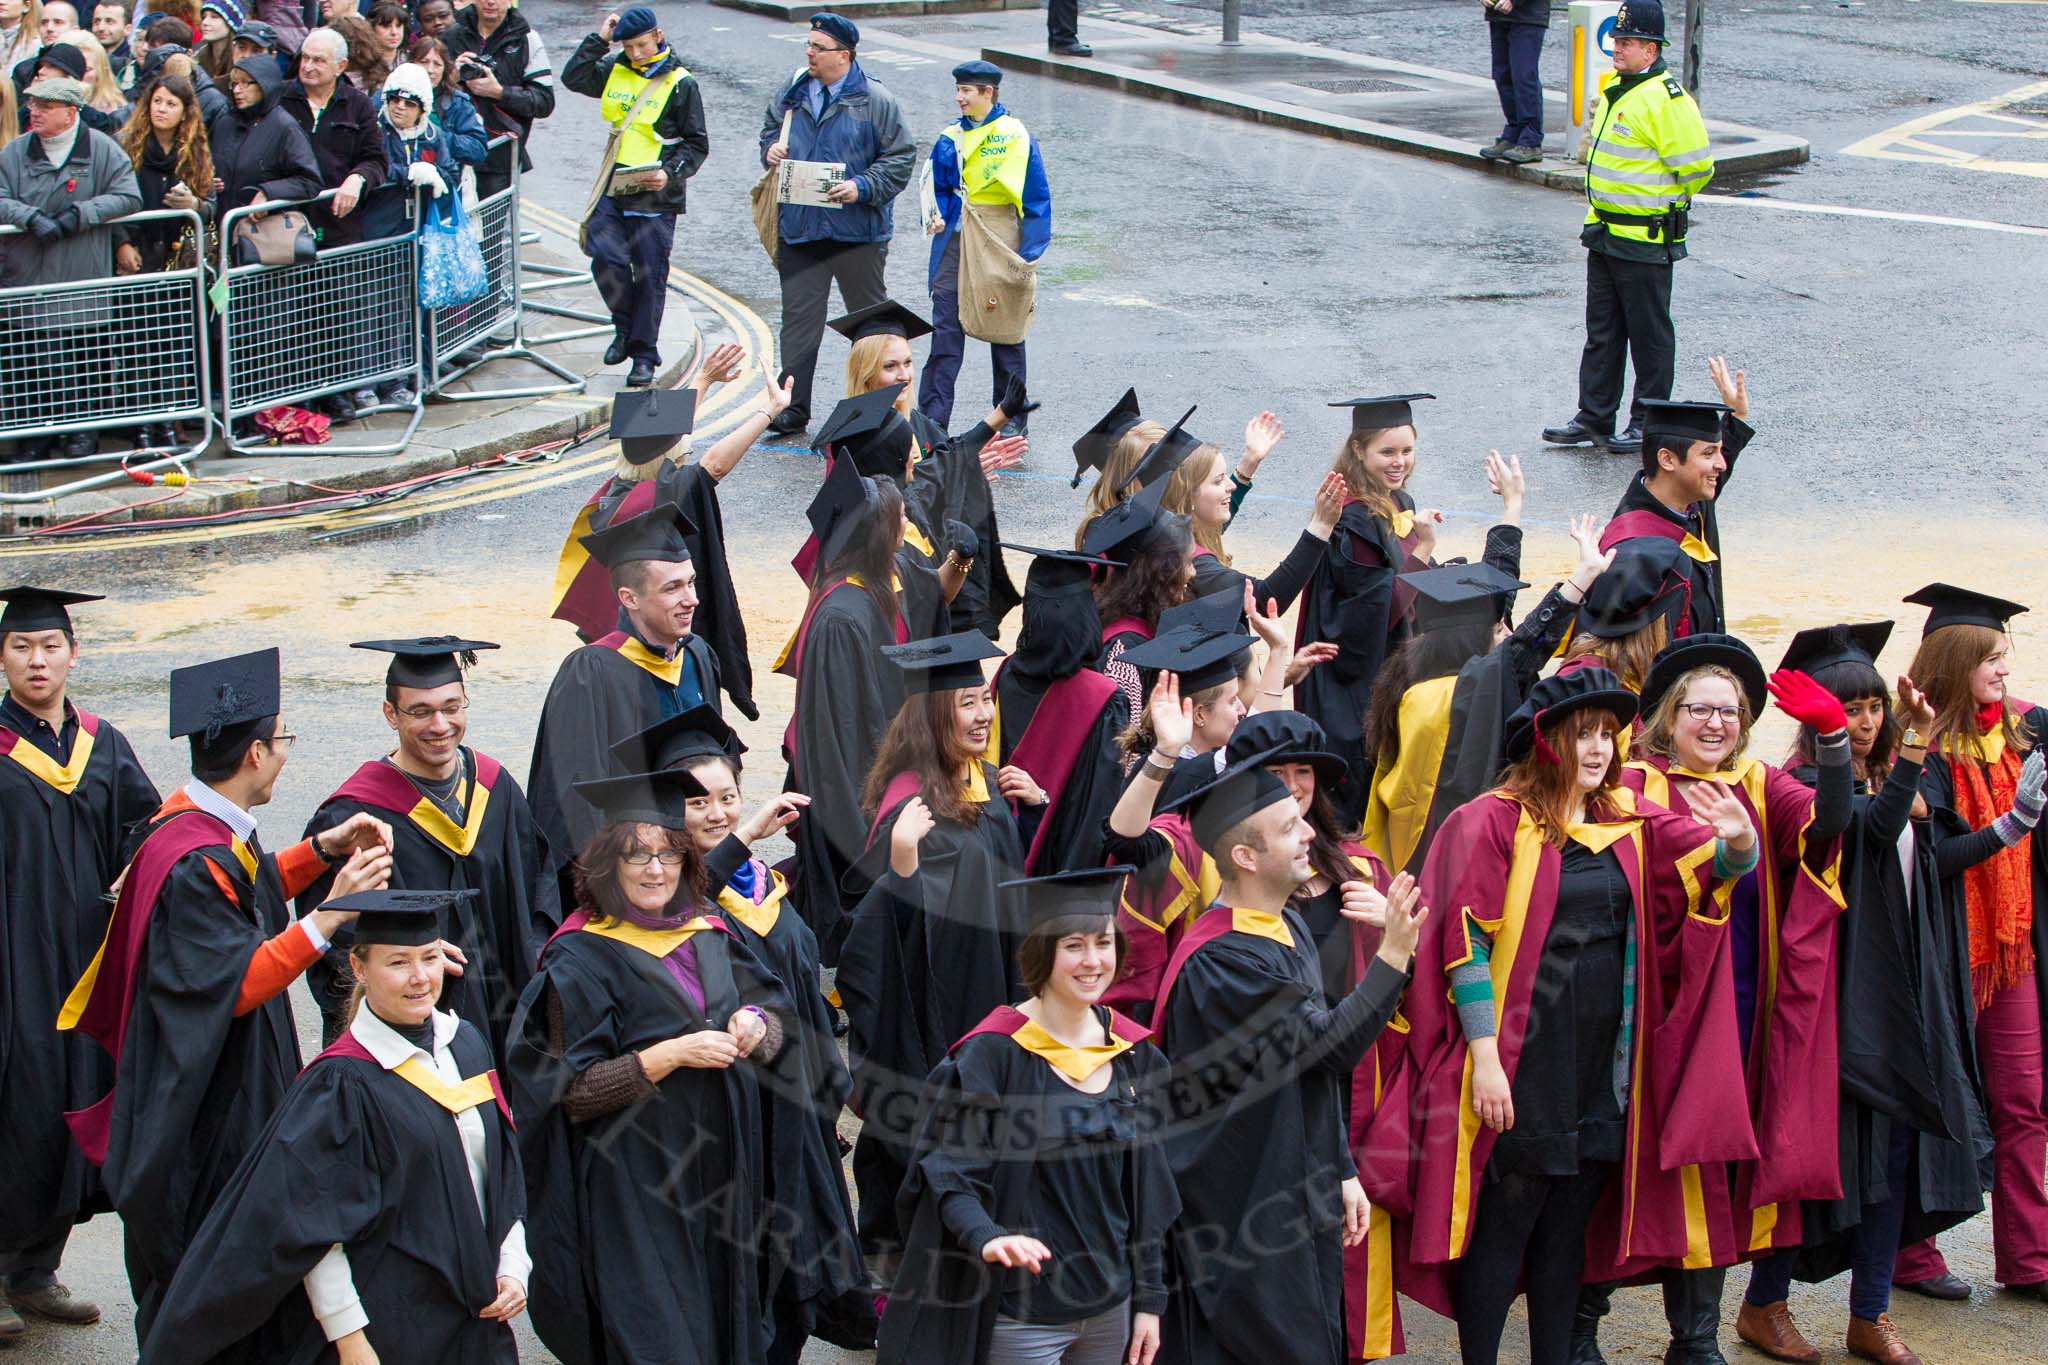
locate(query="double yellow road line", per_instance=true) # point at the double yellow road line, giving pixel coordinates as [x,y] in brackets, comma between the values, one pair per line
[724,411]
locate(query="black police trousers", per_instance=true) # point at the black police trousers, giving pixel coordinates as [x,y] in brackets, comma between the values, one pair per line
[1628,316]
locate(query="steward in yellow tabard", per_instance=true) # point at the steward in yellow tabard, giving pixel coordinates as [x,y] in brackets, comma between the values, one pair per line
[985,167]
[629,224]
[459,823]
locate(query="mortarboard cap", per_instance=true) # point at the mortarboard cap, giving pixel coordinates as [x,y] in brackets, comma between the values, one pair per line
[1217,613]
[1683,655]
[868,428]
[1950,606]
[1287,737]
[430,661]
[1057,571]
[656,798]
[1120,532]
[837,27]
[1085,891]
[656,534]
[647,423]
[36,609]
[977,72]
[943,662]
[1680,424]
[699,732]
[837,508]
[885,319]
[1826,646]
[1200,658]
[1241,790]
[1095,445]
[1647,580]
[1164,455]
[1461,595]
[1559,695]
[1395,410]
[399,919]
[214,696]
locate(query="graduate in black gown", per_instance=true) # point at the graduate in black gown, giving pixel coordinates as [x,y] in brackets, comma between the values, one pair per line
[931,948]
[1157,551]
[621,683]
[1039,1196]
[380,1216]
[811,1267]
[633,1070]
[1255,1131]
[458,822]
[1056,716]
[73,791]
[844,699]
[187,994]
[1911,1128]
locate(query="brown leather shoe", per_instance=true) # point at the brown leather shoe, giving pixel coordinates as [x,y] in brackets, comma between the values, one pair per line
[54,1301]
[1879,1341]
[1770,1330]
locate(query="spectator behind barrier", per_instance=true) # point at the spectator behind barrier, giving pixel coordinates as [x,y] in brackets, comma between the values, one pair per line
[258,39]
[166,58]
[218,20]
[416,158]
[60,184]
[435,17]
[460,123]
[366,65]
[110,26]
[19,40]
[104,94]
[165,139]
[10,122]
[259,151]
[390,23]
[66,62]
[500,61]
[52,21]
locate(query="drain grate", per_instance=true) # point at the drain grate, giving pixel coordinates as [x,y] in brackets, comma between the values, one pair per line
[1361,85]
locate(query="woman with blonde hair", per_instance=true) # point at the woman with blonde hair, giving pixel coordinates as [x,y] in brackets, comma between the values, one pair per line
[1202,489]
[10,122]
[104,91]
[21,23]
[1984,783]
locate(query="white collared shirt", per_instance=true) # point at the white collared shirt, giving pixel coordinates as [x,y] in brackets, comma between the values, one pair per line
[330,1285]
[242,825]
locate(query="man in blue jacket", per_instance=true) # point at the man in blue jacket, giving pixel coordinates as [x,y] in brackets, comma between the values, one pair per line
[986,164]
[835,113]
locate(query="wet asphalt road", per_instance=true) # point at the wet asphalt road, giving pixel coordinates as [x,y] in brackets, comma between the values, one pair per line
[1897,370]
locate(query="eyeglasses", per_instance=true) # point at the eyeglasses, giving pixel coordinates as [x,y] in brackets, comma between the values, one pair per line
[641,857]
[281,740]
[452,711]
[1700,711]
[823,47]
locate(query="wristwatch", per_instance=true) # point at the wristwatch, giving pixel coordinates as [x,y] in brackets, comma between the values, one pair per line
[1911,739]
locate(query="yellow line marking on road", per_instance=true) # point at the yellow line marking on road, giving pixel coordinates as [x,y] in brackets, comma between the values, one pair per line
[715,418]
[1916,139]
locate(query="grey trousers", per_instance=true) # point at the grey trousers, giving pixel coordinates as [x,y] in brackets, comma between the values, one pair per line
[1099,1340]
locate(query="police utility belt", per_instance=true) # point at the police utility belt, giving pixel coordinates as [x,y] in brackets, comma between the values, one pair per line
[1672,225]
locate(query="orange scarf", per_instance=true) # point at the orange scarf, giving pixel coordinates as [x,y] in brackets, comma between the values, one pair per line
[1998,893]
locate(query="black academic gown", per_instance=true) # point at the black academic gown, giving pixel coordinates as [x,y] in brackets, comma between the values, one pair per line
[356,1155]
[1255,1133]
[196,1083]
[643,1224]
[1709,609]
[599,697]
[986,1112]
[59,851]
[811,1254]
[1281,586]
[846,695]
[1905,1027]
[925,959]
[497,851]
[1070,835]
[1352,602]
[988,595]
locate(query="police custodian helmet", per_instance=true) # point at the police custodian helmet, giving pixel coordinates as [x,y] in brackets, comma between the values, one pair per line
[1641,19]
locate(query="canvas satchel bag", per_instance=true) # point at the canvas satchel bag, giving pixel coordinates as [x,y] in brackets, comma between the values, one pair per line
[767,213]
[998,288]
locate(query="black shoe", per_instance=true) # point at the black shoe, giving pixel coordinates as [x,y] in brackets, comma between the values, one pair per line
[337,407]
[789,422]
[395,391]
[1572,433]
[80,444]
[1017,426]
[1492,153]
[1627,442]
[641,375]
[1072,50]
[1594,1301]
[362,400]
[157,436]
[2037,1290]
[1943,1286]
[1692,1306]
[615,354]
[32,449]
[1521,156]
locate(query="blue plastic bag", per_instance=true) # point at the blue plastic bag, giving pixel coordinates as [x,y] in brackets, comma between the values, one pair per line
[451,256]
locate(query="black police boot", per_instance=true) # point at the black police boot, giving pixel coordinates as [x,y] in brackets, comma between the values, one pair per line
[1627,442]
[789,422]
[1692,1305]
[1572,433]
[641,376]
[78,445]
[1072,50]
[1594,1301]
[615,354]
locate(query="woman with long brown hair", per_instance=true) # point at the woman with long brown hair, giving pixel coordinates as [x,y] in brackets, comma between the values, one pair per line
[1531,1077]
[845,698]
[166,139]
[1984,783]
[632,1065]
[1153,554]
[21,23]
[931,948]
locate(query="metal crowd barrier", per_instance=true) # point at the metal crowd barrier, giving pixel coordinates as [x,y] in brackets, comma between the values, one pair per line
[110,354]
[347,319]
[493,326]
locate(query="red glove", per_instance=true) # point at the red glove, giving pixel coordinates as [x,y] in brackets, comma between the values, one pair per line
[1807,702]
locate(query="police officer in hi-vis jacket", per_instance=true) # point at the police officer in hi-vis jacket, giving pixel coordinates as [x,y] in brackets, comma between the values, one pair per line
[1648,158]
